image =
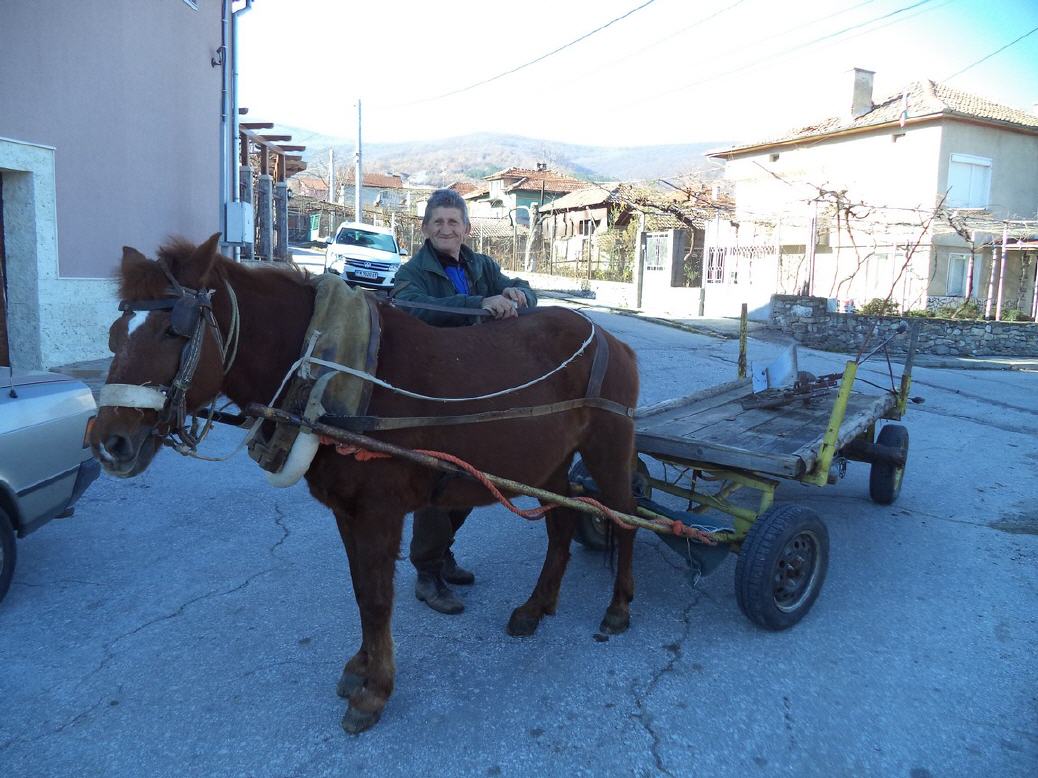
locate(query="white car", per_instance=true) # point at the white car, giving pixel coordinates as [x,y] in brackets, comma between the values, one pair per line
[364,255]
[45,459]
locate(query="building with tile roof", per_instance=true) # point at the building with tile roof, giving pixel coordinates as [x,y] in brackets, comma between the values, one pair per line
[857,205]
[514,191]
[378,190]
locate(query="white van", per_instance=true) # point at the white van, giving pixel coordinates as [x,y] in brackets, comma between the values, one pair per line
[364,255]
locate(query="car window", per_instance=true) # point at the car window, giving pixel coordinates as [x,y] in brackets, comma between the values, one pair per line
[369,240]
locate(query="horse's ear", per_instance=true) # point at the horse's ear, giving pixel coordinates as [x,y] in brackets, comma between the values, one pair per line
[131,257]
[139,277]
[204,260]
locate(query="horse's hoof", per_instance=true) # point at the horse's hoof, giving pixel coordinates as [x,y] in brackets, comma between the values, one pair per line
[348,684]
[356,721]
[615,623]
[521,626]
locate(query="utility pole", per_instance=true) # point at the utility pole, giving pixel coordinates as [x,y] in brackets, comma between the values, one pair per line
[331,176]
[812,239]
[358,213]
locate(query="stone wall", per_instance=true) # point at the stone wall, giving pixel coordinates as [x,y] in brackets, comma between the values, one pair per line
[809,321]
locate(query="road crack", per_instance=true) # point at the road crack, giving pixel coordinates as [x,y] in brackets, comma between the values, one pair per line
[108,648]
[280,521]
[642,715]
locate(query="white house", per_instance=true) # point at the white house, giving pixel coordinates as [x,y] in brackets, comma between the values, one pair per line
[848,207]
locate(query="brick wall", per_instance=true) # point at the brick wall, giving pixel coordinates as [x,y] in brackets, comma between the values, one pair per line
[808,321]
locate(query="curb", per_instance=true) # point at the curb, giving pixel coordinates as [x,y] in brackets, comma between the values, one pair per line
[760,332]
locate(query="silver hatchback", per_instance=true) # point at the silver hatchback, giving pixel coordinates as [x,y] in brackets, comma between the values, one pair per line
[45,463]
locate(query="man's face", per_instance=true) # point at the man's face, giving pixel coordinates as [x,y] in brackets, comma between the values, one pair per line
[447,230]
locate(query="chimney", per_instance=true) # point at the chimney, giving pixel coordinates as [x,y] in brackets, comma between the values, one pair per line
[861,95]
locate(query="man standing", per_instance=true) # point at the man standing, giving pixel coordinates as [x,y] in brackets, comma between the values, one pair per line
[446,272]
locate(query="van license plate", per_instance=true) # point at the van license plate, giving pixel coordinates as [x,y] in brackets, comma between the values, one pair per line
[365,274]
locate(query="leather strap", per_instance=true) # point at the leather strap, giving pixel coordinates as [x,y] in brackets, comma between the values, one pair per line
[598,365]
[371,358]
[479,312]
[373,423]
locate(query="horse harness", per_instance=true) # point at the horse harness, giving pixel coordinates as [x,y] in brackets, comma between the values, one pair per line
[191,313]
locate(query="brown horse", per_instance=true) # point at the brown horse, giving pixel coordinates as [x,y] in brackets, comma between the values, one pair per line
[371,498]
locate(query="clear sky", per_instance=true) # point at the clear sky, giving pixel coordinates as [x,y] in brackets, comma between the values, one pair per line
[673,71]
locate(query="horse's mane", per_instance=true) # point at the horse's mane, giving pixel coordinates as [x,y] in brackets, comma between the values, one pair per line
[146,281]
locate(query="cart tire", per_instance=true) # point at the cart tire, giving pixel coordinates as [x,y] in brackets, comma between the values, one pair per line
[593,531]
[884,479]
[7,553]
[782,566]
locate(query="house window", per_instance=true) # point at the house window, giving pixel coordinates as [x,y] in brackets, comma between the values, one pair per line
[957,264]
[969,181]
[715,266]
[192,3]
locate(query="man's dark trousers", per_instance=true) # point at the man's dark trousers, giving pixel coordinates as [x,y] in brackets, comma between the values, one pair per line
[433,534]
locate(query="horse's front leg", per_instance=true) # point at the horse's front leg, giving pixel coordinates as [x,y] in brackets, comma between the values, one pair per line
[372,542]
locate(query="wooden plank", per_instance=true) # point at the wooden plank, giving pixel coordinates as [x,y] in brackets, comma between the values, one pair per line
[721,455]
[256,125]
[854,423]
[699,405]
[713,391]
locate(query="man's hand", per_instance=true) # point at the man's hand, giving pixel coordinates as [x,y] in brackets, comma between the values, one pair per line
[515,294]
[502,307]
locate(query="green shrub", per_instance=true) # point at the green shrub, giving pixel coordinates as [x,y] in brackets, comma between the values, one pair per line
[877,306]
[968,310]
[1015,314]
[921,314]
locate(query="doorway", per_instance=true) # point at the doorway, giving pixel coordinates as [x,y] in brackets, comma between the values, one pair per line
[5,351]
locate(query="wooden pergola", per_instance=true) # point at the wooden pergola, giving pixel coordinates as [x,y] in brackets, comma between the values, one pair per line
[267,161]
[1020,235]
[272,153]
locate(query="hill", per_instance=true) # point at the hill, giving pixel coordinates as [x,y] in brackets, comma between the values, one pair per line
[471,157]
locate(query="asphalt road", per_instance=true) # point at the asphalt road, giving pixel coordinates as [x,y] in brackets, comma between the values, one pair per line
[193,621]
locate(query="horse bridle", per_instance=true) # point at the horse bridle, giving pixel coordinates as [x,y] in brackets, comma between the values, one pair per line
[191,314]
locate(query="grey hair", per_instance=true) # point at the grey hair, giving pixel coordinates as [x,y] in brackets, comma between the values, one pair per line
[446,198]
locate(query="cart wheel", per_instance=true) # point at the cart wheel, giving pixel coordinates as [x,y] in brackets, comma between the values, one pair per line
[885,480]
[7,553]
[593,531]
[781,566]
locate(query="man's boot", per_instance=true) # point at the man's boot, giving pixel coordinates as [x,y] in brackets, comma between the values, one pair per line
[454,574]
[431,589]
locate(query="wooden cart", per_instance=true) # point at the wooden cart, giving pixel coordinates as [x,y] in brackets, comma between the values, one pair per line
[727,443]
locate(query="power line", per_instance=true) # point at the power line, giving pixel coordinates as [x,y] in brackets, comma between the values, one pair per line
[791,50]
[672,35]
[533,61]
[989,56]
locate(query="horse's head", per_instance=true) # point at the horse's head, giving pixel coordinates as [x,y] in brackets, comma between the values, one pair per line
[170,363]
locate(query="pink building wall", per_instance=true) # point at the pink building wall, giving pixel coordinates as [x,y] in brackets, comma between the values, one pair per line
[126,93]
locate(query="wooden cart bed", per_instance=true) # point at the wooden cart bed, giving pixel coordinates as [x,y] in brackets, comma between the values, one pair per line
[712,427]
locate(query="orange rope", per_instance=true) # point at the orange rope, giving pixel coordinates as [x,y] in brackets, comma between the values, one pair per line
[365,455]
[527,513]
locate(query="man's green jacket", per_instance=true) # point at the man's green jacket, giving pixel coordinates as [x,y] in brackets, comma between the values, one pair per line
[422,279]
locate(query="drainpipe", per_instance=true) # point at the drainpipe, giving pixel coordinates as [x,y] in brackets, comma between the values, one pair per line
[221,60]
[229,176]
